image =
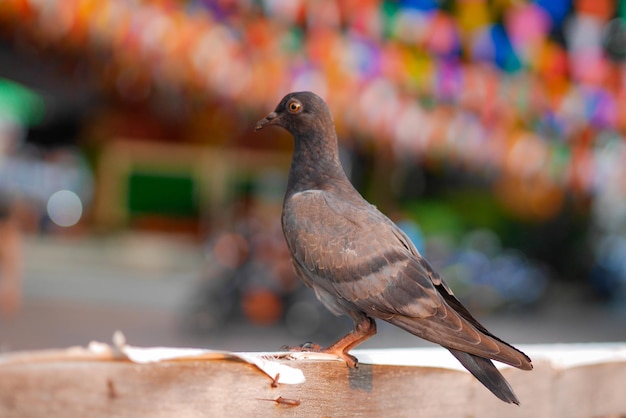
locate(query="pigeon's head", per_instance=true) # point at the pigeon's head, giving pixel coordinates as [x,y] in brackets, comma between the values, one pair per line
[299,113]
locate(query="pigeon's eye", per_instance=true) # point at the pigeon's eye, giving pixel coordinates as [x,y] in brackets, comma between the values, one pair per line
[294,107]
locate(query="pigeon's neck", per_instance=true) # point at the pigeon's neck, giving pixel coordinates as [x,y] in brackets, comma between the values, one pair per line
[316,166]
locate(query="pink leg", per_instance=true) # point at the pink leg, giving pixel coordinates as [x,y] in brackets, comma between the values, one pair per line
[364,329]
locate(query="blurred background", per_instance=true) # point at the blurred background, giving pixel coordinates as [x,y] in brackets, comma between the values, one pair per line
[135,195]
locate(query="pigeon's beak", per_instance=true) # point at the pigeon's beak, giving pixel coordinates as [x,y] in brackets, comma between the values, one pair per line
[266,121]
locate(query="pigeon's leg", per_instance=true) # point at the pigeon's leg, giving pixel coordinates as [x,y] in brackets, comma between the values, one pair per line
[364,328]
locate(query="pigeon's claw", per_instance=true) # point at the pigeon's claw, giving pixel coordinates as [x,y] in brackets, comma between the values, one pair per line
[305,347]
[335,350]
[364,328]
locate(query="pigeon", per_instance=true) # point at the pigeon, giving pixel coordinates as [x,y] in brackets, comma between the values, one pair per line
[360,264]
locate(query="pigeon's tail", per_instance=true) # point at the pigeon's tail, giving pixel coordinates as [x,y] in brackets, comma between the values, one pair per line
[484,370]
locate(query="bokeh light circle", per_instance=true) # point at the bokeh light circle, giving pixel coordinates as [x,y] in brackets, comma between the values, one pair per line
[65,208]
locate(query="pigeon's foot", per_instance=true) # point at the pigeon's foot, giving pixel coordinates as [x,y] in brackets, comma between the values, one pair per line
[351,361]
[364,328]
[335,350]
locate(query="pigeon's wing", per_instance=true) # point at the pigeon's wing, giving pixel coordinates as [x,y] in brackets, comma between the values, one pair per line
[347,249]
[351,252]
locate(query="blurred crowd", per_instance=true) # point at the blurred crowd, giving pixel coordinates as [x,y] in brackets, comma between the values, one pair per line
[526,96]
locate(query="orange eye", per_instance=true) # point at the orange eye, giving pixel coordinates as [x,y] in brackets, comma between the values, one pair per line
[294,107]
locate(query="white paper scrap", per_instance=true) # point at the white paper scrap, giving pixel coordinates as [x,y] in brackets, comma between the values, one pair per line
[278,372]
